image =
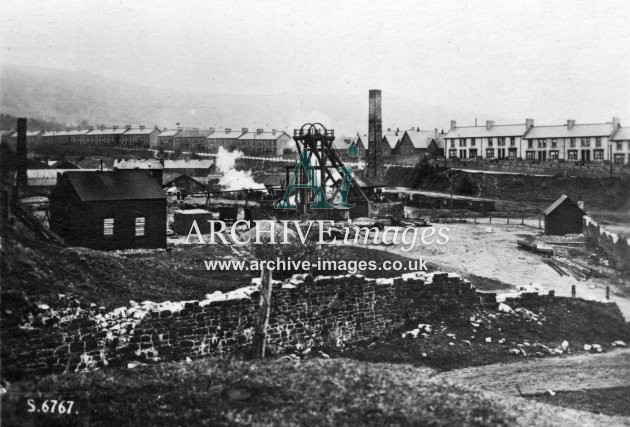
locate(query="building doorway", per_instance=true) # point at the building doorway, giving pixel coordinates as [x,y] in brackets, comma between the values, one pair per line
[542,156]
[586,155]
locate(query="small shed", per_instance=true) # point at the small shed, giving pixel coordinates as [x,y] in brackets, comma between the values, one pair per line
[108,210]
[564,216]
[183,221]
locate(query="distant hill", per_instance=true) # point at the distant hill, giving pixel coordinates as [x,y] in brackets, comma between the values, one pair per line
[77,96]
[8,121]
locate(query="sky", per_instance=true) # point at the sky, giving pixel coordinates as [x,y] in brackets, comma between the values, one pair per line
[514,59]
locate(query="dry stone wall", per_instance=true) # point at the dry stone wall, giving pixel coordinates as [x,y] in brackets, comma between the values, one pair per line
[305,312]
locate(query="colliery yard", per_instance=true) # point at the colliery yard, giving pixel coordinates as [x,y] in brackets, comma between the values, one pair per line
[147,258]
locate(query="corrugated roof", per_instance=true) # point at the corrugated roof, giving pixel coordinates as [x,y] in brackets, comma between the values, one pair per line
[562,131]
[482,132]
[557,203]
[115,185]
[622,134]
[188,164]
[138,164]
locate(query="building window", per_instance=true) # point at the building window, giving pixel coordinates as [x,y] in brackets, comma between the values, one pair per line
[620,158]
[452,153]
[554,154]
[512,153]
[473,153]
[490,142]
[462,142]
[489,153]
[452,143]
[472,142]
[598,154]
[554,143]
[108,227]
[598,142]
[530,144]
[530,155]
[501,142]
[585,142]
[572,154]
[512,141]
[139,226]
[572,142]
[620,146]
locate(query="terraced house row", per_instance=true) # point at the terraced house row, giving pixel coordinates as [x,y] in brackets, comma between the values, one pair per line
[571,142]
[256,142]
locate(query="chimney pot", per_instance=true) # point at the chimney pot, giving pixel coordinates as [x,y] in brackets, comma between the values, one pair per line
[570,124]
[244,130]
[489,124]
[228,130]
[453,124]
[259,131]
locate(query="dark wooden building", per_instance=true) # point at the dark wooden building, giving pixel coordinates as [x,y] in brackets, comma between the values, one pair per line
[118,209]
[564,216]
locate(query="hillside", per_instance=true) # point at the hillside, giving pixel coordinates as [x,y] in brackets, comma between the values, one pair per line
[74,96]
[288,392]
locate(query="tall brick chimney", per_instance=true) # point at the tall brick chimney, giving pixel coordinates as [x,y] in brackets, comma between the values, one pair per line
[375,134]
[20,156]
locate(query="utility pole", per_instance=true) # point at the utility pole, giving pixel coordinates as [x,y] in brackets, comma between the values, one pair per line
[264,310]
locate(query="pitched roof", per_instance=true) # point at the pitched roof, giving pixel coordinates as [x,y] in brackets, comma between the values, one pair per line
[138,131]
[263,135]
[169,178]
[77,132]
[391,138]
[188,164]
[194,133]
[420,138]
[622,134]
[48,177]
[167,133]
[138,164]
[483,132]
[115,185]
[107,131]
[578,130]
[218,134]
[558,202]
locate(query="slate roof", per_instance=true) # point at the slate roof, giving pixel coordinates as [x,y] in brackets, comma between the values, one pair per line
[168,133]
[138,164]
[188,164]
[482,132]
[421,138]
[622,134]
[107,131]
[192,133]
[138,131]
[47,177]
[391,138]
[115,185]
[263,135]
[558,202]
[562,131]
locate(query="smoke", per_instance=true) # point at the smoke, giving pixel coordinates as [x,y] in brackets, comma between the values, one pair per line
[233,179]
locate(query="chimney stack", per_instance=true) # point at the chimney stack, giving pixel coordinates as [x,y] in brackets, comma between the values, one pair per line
[21,163]
[273,131]
[259,131]
[489,124]
[616,122]
[228,130]
[115,127]
[142,127]
[128,127]
[244,130]
[180,128]
[375,133]
[529,123]
[570,124]
[453,124]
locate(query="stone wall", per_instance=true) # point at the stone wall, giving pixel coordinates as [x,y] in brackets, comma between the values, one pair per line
[615,246]
[305,312]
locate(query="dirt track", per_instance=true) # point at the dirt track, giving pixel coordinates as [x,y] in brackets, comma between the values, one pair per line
[584,371]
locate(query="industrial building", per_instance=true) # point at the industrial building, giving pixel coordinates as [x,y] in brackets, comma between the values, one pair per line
[120,209]
[564,216]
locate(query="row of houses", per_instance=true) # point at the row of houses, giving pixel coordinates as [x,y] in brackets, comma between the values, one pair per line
[595,142]
[252,142]
[406,143]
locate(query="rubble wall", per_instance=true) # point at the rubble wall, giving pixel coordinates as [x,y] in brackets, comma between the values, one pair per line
[304,313]
[615,246]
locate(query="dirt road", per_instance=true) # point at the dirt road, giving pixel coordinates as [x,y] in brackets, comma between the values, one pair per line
[491,251]
[581,372]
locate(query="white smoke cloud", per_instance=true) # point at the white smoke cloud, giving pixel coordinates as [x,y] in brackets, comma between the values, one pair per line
[233,179]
